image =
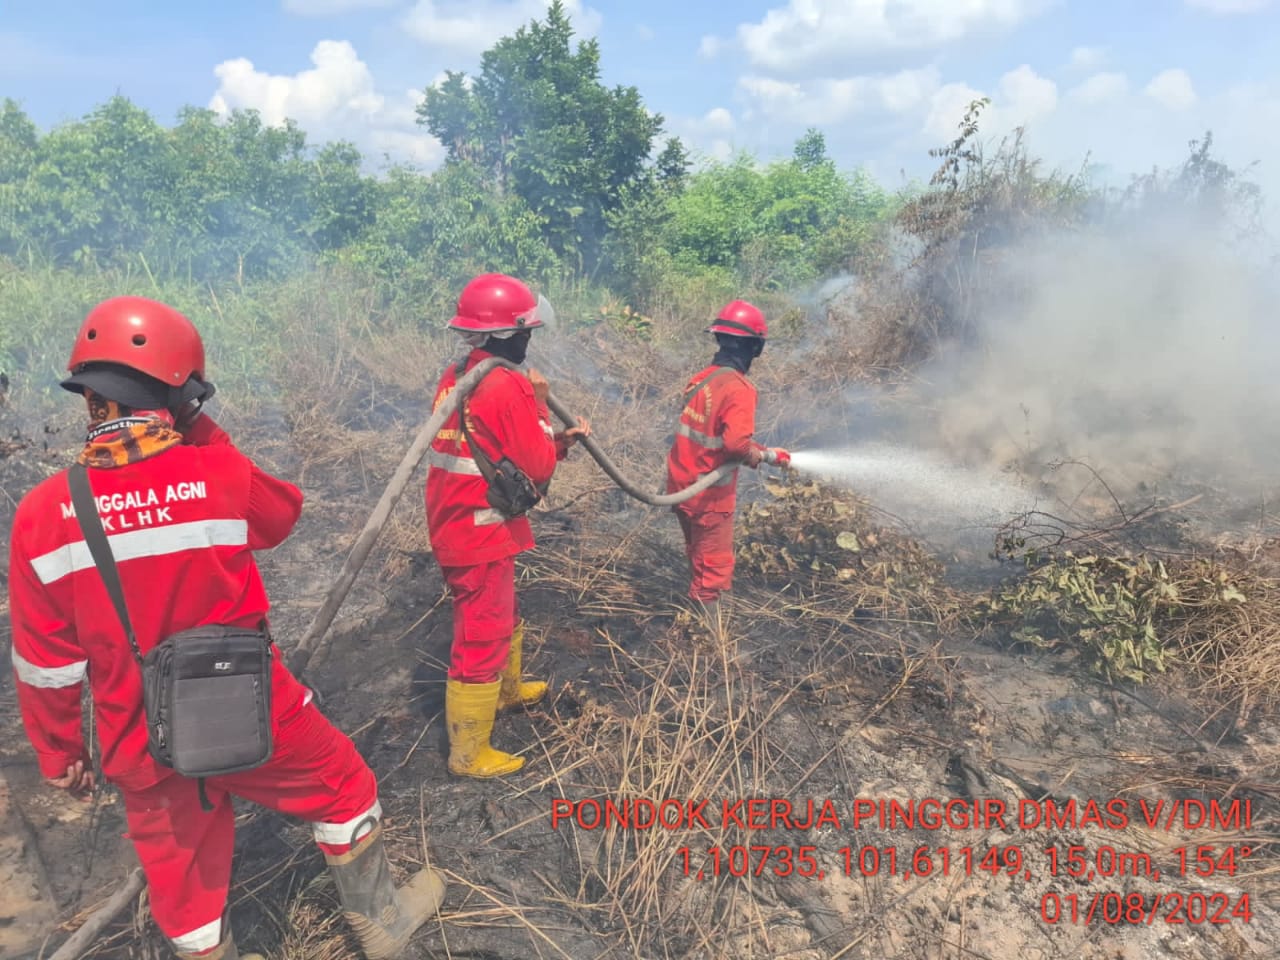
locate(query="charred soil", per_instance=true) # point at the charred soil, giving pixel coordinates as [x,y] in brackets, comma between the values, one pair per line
[851,669]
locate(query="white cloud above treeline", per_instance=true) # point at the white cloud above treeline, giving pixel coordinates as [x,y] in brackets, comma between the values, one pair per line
[469,27]
[336,99]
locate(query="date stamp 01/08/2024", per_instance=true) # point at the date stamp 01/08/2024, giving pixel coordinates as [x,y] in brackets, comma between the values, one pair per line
[1017,861]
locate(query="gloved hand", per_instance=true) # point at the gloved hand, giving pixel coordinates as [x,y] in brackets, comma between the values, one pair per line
[778,457]
[191,410]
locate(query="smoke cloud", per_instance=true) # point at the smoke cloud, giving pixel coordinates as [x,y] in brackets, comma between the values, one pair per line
[1152,355]
[1149,352]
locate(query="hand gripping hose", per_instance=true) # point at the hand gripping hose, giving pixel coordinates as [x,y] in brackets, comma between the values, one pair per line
[302,652]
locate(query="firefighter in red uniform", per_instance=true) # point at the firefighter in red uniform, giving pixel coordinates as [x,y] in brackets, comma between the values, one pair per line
[715,428]
[183,510]
[476,546]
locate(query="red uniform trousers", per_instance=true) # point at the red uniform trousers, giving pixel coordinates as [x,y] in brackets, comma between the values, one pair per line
[314,774]
[485,613]
[708,542]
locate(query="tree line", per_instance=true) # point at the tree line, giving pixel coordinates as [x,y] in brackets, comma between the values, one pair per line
[550,175]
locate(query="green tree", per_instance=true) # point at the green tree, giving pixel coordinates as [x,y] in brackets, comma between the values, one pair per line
[340,200]
[776,225]
[441,230]
[539,123]
[19,153]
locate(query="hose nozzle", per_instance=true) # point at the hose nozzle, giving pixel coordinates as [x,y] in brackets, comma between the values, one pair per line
[777,457]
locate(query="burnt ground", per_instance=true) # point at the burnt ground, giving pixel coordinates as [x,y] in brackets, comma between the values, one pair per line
[812,698]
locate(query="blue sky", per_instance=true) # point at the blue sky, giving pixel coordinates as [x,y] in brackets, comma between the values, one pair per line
[1128,83]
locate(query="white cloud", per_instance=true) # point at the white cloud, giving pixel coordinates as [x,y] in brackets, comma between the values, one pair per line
[1172,89]
[946,108]
[1021,97]
[710,135]
[1087,58]
[1027,94]
[827,101]
[718,120]
[336,100]
[805,33]
[471,28]
[329,8]
[1120,124]
[1100,88]
[1227,7]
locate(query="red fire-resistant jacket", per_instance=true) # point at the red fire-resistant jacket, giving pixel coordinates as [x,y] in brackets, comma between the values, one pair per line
[715,428]
[506,420]
[182,525]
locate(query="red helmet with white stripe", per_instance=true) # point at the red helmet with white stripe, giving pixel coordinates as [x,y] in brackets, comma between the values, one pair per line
[740,319]
[496,303]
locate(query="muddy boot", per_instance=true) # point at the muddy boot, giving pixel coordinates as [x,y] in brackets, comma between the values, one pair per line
[226,950]
[382,917]
[514,692]
[469,709]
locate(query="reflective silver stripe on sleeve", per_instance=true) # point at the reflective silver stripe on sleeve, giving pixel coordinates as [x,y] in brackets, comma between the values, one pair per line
[452,464]
[49,678]
[487,516]
[700,438]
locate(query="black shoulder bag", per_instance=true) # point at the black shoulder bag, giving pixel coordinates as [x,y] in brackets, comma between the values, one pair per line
[206,691]
[510,491]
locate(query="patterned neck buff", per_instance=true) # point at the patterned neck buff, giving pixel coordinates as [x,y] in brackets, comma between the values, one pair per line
[119,435]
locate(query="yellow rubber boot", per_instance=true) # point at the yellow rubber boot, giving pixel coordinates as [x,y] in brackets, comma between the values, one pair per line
[515,692]
[468,711]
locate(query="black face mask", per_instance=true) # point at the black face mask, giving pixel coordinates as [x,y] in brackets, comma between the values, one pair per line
[513,348]
[737,352]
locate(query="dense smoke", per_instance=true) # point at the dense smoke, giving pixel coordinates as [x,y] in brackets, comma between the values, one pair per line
[1152,355]
[1147,352]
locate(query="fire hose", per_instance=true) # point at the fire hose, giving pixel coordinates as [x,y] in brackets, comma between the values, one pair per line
[302,652]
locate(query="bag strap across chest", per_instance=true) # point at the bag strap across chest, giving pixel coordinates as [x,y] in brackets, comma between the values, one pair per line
[95,538]
[702,383]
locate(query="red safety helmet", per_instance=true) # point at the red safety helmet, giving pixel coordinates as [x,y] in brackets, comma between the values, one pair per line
[144,336]
[740,319]
[496,303]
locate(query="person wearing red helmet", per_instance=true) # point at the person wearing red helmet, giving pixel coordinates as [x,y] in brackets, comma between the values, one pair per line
[182,510]
[474,543]
[715,428]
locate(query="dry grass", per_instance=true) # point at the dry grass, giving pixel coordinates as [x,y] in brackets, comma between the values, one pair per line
[694,727]
[1232,647]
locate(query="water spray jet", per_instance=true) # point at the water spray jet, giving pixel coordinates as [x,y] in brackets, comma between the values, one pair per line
[917,482]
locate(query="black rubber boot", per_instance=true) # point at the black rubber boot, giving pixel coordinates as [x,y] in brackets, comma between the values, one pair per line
[383,917]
